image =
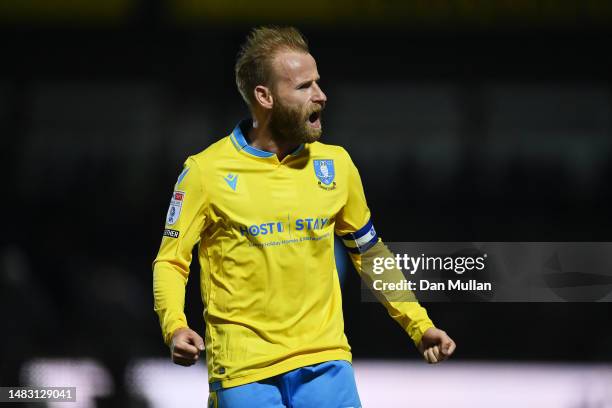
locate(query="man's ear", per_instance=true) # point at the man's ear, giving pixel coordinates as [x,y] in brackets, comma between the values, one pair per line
[263,96]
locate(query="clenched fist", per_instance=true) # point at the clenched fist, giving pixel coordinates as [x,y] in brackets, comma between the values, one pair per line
[436,345]
[186,347]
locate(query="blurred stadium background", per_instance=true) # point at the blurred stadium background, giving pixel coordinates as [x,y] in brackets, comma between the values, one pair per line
[469,120]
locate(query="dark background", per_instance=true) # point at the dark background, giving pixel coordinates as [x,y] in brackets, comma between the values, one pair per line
[491,124]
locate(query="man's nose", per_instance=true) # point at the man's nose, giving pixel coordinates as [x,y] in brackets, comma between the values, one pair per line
[319,96]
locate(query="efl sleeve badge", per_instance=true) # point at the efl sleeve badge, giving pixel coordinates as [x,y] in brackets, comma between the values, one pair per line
[176,203]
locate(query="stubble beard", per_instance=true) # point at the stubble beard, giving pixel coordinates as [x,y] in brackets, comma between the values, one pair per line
[290,125]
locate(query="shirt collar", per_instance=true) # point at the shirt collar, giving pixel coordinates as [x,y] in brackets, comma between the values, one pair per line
[241,143]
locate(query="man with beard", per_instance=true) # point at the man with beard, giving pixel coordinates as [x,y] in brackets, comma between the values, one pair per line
[264,204]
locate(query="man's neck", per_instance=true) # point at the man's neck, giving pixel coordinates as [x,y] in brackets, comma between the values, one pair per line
[260,137]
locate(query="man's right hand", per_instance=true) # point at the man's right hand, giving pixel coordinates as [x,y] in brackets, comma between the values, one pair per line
[186,346]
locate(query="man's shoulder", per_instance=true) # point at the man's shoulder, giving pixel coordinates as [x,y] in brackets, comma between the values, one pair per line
[322,149]
[212,153]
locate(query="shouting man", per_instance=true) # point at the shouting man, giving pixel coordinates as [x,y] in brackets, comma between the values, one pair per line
[264,204]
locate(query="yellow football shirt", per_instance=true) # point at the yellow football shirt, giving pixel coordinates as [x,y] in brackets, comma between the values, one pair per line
[265,229]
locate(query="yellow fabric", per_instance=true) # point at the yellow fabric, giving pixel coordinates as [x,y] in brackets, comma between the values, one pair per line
[265,229]
[402,306]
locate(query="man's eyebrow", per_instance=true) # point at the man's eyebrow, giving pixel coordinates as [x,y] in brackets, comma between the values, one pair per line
[308,81]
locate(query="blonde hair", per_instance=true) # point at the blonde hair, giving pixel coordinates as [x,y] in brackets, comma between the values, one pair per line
[253,63]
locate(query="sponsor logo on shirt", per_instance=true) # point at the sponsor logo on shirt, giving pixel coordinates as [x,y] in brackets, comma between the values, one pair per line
[269,228]
[171,233]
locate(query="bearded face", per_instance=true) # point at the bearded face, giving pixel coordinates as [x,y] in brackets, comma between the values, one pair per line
[292,124]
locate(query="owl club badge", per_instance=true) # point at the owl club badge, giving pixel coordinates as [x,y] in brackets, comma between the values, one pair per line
[325,172]
[176,203]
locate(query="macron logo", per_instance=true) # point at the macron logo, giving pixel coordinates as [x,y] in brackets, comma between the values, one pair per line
[231,180]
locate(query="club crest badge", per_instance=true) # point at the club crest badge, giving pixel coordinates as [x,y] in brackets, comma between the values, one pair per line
[325,172]
[176,203]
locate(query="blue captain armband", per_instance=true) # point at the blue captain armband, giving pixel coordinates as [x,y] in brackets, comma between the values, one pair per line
[362,240]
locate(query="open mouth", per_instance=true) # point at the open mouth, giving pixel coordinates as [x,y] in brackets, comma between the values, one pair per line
[315,119]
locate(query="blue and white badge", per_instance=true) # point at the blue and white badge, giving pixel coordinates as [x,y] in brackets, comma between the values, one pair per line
[324,170]
[176,203]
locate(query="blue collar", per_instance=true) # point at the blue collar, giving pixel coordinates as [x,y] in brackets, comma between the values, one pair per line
[239,141]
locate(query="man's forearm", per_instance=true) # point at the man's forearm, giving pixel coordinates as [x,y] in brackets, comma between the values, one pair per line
[169,296]
[402,306]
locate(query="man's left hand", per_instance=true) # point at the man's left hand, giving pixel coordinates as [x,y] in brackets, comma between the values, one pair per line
[436,346]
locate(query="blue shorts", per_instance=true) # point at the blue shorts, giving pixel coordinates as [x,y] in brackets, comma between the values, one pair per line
[326,385]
